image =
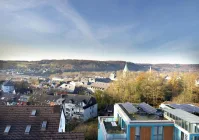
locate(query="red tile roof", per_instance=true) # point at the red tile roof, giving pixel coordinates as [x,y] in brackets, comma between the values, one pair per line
[20,116]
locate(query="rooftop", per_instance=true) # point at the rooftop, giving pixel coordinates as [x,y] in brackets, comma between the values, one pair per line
[186,107]
[100,85]
[8,83]
[31,118]
[183,115]
[76,99]
[137,113]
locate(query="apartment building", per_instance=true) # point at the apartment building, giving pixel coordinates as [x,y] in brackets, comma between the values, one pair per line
[185,118]
[143,122]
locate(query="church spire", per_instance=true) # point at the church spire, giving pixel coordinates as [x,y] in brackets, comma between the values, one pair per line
[125,71]
[126,68]
[150,70]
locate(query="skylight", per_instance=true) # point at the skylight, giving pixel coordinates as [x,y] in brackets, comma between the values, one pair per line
[7,129]
[28,127]
[43,126]
[33,113]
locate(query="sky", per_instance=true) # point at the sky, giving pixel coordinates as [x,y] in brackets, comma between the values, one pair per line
[139,31]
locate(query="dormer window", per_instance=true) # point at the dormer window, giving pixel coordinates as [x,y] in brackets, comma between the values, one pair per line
[43,126]
[33,113]
[28,127]
[7,129]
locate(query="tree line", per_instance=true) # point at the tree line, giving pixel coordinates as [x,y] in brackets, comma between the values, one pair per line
[150,87]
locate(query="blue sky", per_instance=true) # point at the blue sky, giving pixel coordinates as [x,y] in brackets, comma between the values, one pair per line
[139,31]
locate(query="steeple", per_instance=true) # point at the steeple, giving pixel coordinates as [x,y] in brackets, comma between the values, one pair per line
[125,71]
[126,68]
[150,69]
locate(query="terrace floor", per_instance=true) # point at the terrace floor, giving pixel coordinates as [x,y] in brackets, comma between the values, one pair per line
[113,129]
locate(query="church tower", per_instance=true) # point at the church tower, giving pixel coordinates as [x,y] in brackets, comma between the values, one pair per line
[126,70]
[150,70]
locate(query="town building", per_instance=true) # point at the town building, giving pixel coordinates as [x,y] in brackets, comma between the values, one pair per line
[87,80]
[8,87]
[79,106]
[113,76]
[99,86]
[143,122]
[67,87]
[34,123]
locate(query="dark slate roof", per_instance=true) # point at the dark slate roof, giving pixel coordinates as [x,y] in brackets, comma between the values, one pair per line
[104,80]
[76,99]
[19,117]
[8,83]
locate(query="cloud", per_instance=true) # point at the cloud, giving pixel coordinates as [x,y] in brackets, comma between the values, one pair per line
[104,32]
[56,29]
[180,45]
[17,16]
[70,13]
[18,5]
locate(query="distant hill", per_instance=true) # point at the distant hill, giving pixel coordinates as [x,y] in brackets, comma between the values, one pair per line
[92,65]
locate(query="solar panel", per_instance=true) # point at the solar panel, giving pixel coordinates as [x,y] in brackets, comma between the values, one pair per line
[147,108]
[130,108]
[191,108]
[186,107]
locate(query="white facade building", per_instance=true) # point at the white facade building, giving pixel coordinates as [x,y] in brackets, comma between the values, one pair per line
[80,107]
[8,87]
[62,123]
[68,87]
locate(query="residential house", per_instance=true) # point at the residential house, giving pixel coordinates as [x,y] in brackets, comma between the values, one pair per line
[34,123]
[84,81]
[79,106]
[8,87]
[143,122]
[99,86]
[67,87]
[113,76]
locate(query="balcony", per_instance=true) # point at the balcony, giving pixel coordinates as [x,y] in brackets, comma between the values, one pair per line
[110,129]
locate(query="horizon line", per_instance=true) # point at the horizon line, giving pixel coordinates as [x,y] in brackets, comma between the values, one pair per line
[104,61]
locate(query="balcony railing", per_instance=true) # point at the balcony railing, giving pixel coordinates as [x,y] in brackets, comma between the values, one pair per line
[111,132]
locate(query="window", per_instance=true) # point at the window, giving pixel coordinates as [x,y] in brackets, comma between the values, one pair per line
[43,126]
[186,125]
[197,128]
[137,133]
[7,129]
[33,113]
[196,138]
[158,133]
[27,129]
